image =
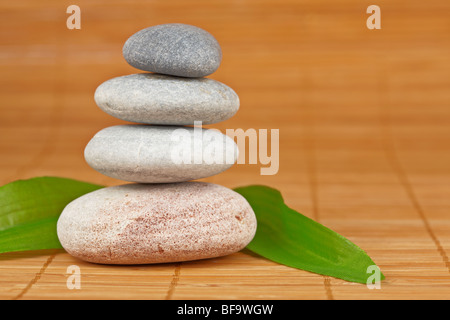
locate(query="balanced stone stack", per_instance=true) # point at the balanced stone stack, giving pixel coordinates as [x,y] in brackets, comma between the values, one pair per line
[162,216]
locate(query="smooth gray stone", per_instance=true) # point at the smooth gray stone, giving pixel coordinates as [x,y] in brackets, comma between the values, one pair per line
[158,99]
[142,223]
[174,49]
[160,154]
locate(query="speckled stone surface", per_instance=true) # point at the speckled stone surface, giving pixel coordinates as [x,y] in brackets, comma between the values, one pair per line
[159,99]
[141,224]
[174,49]
[142,153]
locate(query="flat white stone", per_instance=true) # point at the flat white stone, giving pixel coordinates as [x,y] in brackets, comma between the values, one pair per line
[160,154]
[157,99]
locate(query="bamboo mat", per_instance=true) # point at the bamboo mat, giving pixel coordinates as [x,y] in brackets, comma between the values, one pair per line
[364,120]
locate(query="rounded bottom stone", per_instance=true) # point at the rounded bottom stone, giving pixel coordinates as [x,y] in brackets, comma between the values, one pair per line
[145,224]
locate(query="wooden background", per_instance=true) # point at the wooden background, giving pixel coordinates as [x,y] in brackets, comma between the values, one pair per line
[364,119]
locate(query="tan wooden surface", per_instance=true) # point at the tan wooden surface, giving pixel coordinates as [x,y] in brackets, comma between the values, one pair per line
[364,119]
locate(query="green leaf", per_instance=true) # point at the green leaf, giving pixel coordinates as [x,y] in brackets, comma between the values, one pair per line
[288,237]
[36,235]
[29,210]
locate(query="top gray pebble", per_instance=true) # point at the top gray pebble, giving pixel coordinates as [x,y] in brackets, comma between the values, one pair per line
[174,49]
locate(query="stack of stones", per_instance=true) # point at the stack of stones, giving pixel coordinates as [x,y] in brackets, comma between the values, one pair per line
[162,216]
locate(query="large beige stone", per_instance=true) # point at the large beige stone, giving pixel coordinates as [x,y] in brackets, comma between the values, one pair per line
[142,223]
